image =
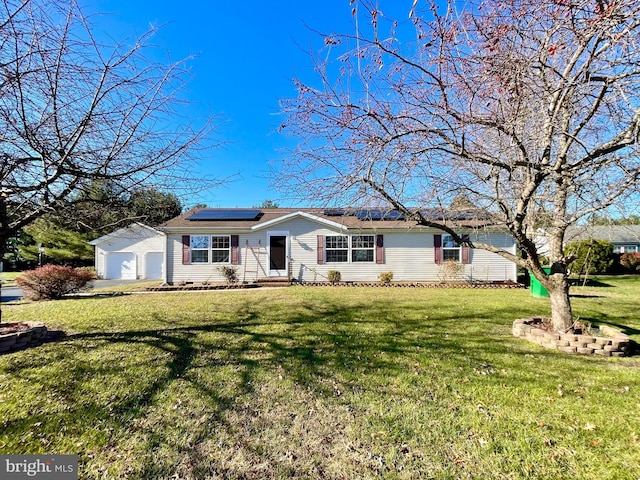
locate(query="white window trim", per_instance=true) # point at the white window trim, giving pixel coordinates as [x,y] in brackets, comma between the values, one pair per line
[327,249]
[228,249]
[446,238]
[210,249]
[197,249]
[369,249]
[350,248]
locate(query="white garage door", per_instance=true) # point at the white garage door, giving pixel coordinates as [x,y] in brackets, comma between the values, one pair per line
[153,265]
[121,265]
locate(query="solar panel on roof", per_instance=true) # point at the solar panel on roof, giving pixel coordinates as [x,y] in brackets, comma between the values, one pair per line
[365,213]
[464,215]
[222,214]
[378,214]
[432,213]
[393,215]
[334,212]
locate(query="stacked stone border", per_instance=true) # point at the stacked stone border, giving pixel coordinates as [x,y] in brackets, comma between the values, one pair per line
[33,336]
[219,286]
[200,286]
[613,344]
[414,284]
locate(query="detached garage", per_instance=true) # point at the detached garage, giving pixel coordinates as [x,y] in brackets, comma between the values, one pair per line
[133,252]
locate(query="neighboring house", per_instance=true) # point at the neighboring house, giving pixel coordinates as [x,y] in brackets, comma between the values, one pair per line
[625,238]
[305,244]
[133,252]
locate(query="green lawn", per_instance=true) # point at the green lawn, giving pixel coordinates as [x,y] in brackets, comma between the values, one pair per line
[333,383]
[8,278]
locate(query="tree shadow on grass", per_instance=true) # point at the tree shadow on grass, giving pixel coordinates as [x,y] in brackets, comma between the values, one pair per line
[590,282]
[330,351]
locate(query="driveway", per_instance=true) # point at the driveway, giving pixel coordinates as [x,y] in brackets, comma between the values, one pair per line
[9,294]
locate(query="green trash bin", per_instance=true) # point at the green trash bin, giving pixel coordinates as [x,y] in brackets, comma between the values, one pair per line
[537,290]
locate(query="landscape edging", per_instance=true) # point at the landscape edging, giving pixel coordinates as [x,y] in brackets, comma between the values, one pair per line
[616,344]
[30,337]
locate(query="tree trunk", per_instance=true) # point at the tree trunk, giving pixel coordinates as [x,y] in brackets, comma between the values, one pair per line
[2,251]
[561,314]
[4,235]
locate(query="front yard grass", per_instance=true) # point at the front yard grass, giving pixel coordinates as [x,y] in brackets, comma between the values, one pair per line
[313,382]
[8,278]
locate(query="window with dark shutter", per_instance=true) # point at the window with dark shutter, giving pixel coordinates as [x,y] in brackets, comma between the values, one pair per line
[362,248]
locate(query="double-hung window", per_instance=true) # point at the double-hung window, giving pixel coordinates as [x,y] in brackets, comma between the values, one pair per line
[363,248]
[450,249]
[200,248]
[210,249]
[220,249]
[337,248]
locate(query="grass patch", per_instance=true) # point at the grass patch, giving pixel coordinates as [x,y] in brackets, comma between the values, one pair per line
[8,279]
[303,382]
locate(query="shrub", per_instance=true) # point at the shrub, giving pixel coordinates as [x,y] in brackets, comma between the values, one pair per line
[51,282]
[229,273]
[592,256]
[450,270]
[386,277]
[631,261]
[334,276]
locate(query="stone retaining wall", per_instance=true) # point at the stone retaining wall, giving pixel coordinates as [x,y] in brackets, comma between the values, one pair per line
[614,344]
[31,337]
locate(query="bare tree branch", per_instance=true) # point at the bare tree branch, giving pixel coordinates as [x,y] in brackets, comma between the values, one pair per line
[530,107]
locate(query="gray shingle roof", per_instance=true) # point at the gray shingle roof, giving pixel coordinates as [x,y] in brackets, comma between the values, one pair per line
[616,234]
[460,218]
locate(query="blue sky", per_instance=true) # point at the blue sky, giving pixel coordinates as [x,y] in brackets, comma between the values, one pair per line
[248,53]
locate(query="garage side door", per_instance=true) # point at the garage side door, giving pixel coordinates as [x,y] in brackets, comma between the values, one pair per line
[153,267]
[121,265]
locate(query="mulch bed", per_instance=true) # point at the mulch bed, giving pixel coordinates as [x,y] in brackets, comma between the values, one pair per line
[13,327]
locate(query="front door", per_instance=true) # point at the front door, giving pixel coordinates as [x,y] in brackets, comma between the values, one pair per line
[278,256]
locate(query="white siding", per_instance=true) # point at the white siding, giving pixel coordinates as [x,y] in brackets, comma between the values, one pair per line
[488,266]
[202,272]
[409,255]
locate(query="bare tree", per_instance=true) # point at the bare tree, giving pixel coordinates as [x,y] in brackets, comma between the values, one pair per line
[529,109]
[74,111]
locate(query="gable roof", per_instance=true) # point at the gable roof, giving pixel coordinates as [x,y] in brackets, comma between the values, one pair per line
[299,213]
[122,231]
[611,233]
[339,218]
